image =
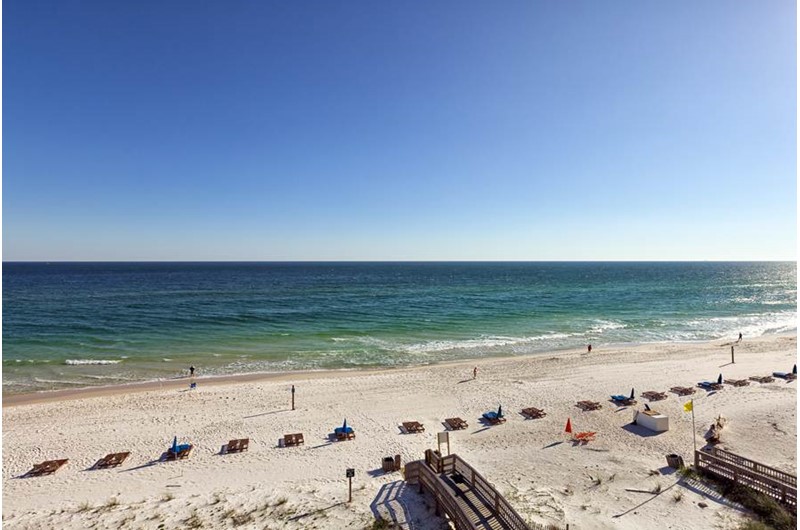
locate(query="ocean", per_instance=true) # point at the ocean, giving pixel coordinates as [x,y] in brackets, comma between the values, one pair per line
[69,325]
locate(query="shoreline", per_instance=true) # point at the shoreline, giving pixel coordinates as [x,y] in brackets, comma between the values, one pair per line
[45,396]
[532,463]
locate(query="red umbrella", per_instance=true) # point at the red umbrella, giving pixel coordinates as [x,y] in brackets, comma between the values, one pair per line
[569,426]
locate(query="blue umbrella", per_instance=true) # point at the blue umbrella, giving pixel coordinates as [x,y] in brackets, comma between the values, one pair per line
[633,394]
[719,379]
[175,445]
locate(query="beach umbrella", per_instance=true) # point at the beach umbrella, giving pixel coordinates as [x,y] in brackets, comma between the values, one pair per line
[633,394]
[175,445]
[719,379]
[344,426]
[569,426]
[499,411]
[794,370]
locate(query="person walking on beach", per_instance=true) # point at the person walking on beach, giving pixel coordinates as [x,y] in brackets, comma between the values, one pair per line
[191,371]
[740,337]
[475,373]
[589,349]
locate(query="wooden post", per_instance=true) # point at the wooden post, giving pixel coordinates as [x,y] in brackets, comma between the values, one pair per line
[349,489]
[732,361]
[292,397]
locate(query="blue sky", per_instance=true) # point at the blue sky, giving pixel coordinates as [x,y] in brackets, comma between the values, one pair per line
[525,130]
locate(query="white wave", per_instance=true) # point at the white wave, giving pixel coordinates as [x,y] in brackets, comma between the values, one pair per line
[166,360]
[91,361]
[606,325]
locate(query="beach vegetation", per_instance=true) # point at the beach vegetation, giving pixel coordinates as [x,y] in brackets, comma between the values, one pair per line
[193,521]
[281,500]
[677,496]
[656,489]
[753,524]
[84,507]
[239,519]
[379,524]
[167,497]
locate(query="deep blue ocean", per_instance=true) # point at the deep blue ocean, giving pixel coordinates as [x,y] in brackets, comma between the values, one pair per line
[79,324]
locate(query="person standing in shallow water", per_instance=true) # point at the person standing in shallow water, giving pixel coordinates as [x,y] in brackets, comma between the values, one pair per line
[589,349]
[191,371]
[740,336]
[475,373]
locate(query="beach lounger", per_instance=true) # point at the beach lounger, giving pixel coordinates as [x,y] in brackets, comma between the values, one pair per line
[46,468]
[682,390]
[533,413]
[785,375]
[584,437]
[737,382]
[182,452]
[413,427]
[344,434]
[290,440]
[708,385]
[456,424]
[588,405]
[652,395]
[763,378]
[111,460]
[493,418]
[623,400]
[237,446]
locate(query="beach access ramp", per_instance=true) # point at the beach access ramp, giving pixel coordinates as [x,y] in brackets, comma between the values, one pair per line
[465,496]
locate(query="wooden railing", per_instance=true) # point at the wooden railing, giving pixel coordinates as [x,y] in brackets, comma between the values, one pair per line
[429,475]
[765,479]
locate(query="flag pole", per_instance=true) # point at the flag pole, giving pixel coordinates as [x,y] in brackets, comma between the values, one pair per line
[694,430]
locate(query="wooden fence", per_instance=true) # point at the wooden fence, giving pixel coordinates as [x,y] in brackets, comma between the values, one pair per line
[429,474]
[759,477]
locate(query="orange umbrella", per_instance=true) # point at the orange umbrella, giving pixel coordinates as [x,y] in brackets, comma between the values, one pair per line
[569,426]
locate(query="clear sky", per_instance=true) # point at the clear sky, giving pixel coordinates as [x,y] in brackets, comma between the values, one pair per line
[378,130]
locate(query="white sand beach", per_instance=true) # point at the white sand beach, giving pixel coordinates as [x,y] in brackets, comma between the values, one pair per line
[544,477]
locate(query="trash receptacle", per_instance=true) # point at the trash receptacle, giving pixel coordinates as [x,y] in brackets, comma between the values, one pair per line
[675,461]
[388,464]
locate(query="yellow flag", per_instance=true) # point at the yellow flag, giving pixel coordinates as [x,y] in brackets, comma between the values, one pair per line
[687,407]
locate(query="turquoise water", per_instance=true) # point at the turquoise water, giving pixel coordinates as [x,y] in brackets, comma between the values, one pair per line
[78,324]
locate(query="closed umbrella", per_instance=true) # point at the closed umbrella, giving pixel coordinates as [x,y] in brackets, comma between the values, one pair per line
[633,394]
[175,445]
[344,426]
[568,428]
[500,411]
[719,379]
[794,370]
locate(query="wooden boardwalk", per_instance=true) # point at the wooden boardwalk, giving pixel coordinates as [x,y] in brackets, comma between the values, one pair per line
[468,499]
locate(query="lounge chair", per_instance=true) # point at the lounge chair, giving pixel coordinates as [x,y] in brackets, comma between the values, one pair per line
[623,400]
[708,385]
[413,427]
[237,446]
[456,424]
[110,460]
[584,437]
[762,378]
[47,467]
[789,376]
[682,390]
[588,405]
[652,395]
[344,433]
[533,413]
[183,452]
[290,440]
[493,417]
[737,382]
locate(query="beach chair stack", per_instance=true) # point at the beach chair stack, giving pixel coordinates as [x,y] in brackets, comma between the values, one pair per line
[588,405]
